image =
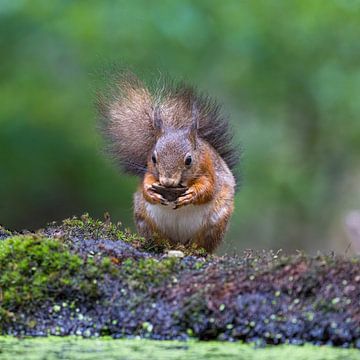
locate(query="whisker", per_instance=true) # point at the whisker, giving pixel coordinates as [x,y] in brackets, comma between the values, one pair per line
[136,166]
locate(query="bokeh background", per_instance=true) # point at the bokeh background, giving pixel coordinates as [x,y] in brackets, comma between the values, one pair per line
[287,73]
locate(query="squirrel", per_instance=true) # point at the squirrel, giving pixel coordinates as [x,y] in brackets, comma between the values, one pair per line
[173,138]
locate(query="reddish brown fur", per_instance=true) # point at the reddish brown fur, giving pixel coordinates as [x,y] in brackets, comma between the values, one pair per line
[153,135]
[208,185]
[203,186]
[145,226]
[211,236]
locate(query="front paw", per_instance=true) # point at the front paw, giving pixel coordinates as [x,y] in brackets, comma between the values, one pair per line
[186,199]
[153,197]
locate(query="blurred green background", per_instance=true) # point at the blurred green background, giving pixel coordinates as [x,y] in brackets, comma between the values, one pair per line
[287,73]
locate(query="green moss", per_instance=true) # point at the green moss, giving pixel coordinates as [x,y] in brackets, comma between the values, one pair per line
[142,272]
[94,229]
[156,245]
[4,233]
[159,245]
[35,269]
[90,349]
[30,264]
[86,227]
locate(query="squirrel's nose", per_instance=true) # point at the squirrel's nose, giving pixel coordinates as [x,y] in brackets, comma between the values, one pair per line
[165,181]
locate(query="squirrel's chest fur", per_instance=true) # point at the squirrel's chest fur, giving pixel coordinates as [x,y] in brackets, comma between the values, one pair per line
[179,224]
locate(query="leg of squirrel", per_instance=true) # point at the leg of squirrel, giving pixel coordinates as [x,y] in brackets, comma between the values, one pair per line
[210,236]
[145,226]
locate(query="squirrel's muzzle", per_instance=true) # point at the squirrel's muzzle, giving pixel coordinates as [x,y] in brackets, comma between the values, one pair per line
[168,182]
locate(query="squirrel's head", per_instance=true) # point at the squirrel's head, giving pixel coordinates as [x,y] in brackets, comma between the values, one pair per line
[174,158]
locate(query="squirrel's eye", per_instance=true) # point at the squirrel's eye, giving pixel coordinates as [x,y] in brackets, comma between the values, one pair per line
[153,158]
[188,160]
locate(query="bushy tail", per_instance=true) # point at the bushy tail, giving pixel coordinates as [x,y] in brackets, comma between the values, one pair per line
[127,120]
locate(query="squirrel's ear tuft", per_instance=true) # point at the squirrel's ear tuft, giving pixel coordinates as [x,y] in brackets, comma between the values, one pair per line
[157,121]
[194,117]
[194,123]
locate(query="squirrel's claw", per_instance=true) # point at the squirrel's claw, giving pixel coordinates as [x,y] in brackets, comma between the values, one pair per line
[157,198]
[154,197]
[186,199]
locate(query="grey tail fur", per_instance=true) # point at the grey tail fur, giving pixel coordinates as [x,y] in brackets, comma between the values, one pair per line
[127,120]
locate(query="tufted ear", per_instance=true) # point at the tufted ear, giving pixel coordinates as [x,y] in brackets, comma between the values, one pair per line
[194,123]
[157,121]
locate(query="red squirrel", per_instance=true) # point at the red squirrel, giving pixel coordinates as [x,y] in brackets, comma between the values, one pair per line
[173,138]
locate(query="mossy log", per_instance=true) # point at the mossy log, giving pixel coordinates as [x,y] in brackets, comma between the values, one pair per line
[92,278]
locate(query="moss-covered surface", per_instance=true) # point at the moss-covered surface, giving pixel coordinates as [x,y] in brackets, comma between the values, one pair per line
[34,268]
[91,278]
[4,233]
[71,348]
